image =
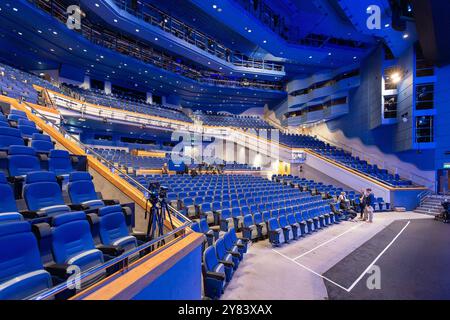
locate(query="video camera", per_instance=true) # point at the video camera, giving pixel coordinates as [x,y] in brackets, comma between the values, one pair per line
[157,191]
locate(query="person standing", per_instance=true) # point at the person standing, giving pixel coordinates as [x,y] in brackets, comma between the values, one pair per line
[370,205]
[362,203]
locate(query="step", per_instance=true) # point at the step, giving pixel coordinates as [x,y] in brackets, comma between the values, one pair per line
[425,212]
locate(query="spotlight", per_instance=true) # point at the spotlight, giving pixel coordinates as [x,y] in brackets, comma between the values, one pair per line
[396,77]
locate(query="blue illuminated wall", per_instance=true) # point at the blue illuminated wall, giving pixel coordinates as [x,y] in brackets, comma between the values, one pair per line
[442,120]
[364,118]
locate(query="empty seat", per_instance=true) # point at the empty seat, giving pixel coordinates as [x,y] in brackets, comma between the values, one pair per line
[113,228]
[232,248]
[225,220]
[59,162]
[82,191]
[225,258]
[213,274]
[250,231]
[287,229]
[260,225]
[22,160]
[21,272]
[72,242]
[27,128]
[276,234]
[212,233]
[41,143]
[42,194]
[7,202]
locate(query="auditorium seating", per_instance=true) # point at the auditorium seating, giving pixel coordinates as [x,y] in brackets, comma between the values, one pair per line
[227,120]
[21,271]
[19,85]
[130,161]
[327,191]
[343,157]
[113,229]
[123,102]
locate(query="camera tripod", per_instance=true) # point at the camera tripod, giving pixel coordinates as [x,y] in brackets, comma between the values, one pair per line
[158,210]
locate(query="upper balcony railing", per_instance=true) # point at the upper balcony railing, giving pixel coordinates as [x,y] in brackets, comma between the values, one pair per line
[141,51]
[169,24]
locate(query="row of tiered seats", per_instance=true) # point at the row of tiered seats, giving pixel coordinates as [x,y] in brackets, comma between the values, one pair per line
[124,158]
[343,157]
[237,121]
[222,205]
[99,97]
[51,217]
[327,191]
[19,85]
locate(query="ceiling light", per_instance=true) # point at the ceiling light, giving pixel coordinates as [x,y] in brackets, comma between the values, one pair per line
[405,36]
[115,20]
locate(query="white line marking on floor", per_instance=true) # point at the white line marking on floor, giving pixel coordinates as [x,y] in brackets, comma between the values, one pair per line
[378,257]
[310,270]
[362,274]
[328,241]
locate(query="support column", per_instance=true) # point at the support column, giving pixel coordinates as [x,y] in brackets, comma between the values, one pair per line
[86,83]
[108,87]
[149,97]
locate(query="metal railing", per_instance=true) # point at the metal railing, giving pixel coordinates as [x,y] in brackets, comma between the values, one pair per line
[142,51]
[156,17]
[418,179]
[122,262]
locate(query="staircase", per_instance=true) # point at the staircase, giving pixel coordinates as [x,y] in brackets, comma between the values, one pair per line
[431,205]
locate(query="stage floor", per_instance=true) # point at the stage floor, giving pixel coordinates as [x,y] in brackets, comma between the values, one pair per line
[410,250]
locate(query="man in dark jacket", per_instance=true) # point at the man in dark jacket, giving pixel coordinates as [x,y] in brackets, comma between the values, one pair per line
[370,205]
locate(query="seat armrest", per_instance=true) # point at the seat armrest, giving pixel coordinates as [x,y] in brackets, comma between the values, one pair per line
[110,250]
[215,275]
[246,240]
[58,270]
[234,254]
[111,202]
[227,263]
[32,214]
[215,228]
[76,207]
[43,156]
[15,179]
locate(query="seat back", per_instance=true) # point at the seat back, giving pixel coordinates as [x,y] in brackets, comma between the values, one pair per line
[210,259]
[112,224]
[59,162]
[81,188]
[273,224]
[41,142]
[71,235]
[204,225]
[221,251]
[9,137]
[41,190]
[248,220]
[257,218]
[19,255]
[22,160]
[282,221]
[7,202]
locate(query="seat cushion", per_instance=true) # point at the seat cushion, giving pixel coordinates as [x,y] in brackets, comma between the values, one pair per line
[25,285]
[126,243]
[55,210]
[86,259]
